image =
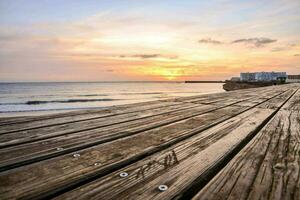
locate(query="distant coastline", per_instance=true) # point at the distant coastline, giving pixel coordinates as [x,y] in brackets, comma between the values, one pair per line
[204,81]
[239,85]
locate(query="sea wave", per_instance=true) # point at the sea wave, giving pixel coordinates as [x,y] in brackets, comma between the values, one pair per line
[140,93]
[52,109]
[37,102]
[92,95]
[69,101]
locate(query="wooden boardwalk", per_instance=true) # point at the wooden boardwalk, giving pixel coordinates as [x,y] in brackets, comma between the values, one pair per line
[233,145]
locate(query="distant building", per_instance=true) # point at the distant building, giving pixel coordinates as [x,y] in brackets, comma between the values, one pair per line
[293,79]
[263,76]
[235,79]
[248,76]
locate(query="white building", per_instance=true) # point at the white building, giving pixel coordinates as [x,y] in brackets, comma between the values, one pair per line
[263,76]
[248,76]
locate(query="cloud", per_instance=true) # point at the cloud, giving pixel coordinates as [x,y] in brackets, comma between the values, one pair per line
[8,37]
[148,56]
[284,48]
[209,41]
[256,42]
[279,49]
[297,55]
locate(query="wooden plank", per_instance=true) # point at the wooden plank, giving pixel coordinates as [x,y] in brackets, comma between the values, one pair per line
[46,132]
[72,142]
[293,103]
[36,179]
[58,173]
[275,103]
[21,137]
[268,167]
[80,117]
[33,152]
[193,157]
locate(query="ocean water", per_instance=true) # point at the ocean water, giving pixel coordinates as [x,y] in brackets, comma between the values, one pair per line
[38,97]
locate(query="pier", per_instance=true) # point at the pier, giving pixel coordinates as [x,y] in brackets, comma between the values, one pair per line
[242,144]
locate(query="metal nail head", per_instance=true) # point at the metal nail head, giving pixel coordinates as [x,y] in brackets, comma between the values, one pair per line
[123,174]
[59,148]
[76,155]
[162,188]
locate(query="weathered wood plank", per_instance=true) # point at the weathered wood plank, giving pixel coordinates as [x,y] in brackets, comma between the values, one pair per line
[80,117]
[72,142]
[268,167]
[193,157]
[275,103]
[42,133]
[45,132]
[293,103]
[32,152]
[56,119]
[64,170]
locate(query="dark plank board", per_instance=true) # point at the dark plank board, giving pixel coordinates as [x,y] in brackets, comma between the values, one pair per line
[41,177]
[268,167]
[32,152]
[193,157]
[72,142]
[20,137]
[80,117]
[50,131]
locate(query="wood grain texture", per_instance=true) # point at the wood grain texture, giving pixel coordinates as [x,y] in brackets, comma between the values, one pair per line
[195,156]
[268,167]
[34,151]
[113,121]
[81,117]
[66,169]
[174,144]
[44,132]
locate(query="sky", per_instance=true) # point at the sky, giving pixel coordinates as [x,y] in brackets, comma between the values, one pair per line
[146,40]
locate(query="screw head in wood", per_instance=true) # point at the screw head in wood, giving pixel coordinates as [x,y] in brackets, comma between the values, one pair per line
[162,188]
[123,174]
[59,148]
[76,155]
